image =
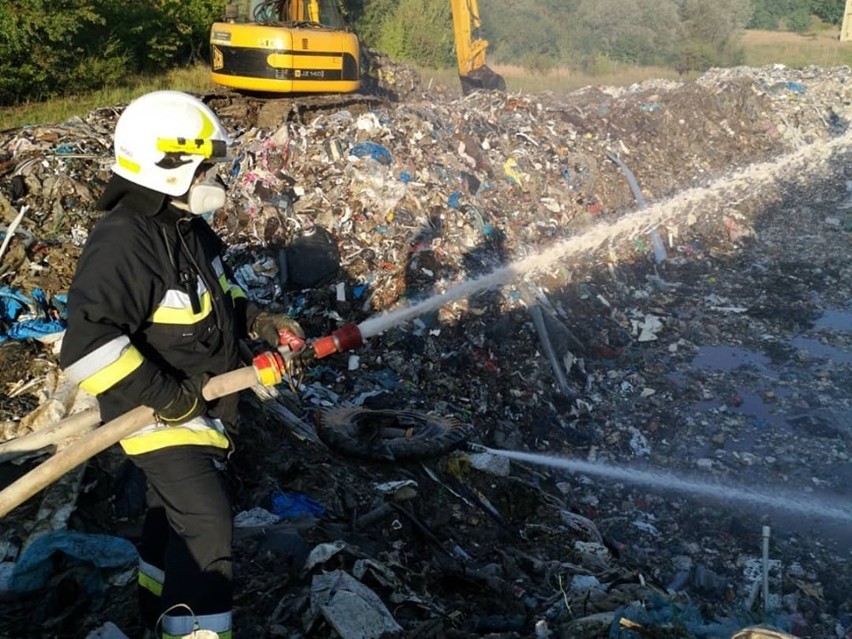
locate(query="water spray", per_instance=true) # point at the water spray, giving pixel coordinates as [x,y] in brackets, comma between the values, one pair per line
[739,186]
[801,504]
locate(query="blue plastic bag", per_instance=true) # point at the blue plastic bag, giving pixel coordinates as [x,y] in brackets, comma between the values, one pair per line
[292,505]
[371,149]
[30,317]
[35,567]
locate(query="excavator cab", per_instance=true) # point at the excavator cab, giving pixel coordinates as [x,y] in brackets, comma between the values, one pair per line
[284,46]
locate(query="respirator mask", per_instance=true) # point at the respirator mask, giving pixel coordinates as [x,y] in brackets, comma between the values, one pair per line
[207,193]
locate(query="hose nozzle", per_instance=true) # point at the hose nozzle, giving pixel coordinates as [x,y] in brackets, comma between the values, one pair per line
[345,338]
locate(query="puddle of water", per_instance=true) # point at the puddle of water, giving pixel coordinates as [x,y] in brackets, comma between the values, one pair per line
[818,350]
[729,358]
[835,320]
[753,405]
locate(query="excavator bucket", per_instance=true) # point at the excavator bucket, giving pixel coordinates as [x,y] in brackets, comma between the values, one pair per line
[482,78]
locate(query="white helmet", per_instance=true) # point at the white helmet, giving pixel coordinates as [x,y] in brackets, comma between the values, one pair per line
[162,137]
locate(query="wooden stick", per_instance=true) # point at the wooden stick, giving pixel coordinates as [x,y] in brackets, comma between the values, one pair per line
[102,438]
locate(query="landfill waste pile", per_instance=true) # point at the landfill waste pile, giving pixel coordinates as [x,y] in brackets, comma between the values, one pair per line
[619,403]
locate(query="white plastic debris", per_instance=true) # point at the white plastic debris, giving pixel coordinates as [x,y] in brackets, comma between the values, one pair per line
[350,607]
[490,464]
[255,517]
[323,552]
[753,568]
[591,548]
[107,631]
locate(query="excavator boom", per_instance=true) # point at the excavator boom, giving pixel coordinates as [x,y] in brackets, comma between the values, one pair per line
[471,49]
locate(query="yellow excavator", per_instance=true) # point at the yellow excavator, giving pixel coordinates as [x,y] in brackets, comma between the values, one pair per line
[304,46]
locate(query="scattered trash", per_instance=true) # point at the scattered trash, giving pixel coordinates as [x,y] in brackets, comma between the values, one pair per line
[705,329]
[92,553]
[390,435]
[350,608]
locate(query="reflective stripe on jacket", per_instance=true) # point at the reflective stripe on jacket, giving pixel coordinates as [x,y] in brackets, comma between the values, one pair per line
[151,304]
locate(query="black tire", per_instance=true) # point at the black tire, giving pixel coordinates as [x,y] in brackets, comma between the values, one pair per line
[390,435]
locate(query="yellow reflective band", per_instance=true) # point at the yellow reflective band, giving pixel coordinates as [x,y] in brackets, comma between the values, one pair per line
[222,635]
[128,164]
[173,436]
[185,316]
[234,290]
[111,374]
[150,584]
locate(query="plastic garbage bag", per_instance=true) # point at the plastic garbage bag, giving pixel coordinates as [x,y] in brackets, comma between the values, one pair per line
[291,505]
[350,607]
[30,317]
[636,621]
[310,260]
[375,151]
[35,567]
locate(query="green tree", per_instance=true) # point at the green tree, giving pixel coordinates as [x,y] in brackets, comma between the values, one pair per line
[47,49]
[530,33]
[371,18]
[711,30]
[55,47]
[775,14]
[635,31]
[830,11]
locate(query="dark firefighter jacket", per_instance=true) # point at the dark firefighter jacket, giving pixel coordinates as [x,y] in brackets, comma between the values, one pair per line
[150,305]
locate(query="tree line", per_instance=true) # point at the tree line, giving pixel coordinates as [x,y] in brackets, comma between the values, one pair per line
[49,48]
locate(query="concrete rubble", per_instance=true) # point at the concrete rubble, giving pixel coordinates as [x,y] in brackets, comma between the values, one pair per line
[688,321]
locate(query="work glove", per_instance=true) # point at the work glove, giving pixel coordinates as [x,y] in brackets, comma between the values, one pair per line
[187,404]
[279,330]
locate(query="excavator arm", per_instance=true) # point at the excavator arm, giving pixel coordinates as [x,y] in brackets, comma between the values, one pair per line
[471,49]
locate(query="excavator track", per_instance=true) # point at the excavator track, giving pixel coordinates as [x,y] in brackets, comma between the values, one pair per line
[271,111]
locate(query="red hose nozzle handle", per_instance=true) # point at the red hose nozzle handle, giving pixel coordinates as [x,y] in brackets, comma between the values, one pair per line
[289,341]
[345,338]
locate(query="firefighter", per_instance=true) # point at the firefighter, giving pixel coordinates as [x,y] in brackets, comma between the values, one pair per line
[153,312]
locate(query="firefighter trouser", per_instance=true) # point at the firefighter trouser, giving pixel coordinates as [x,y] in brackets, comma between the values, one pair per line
[185,572]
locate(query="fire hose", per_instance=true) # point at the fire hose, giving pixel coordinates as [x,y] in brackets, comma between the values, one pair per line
[345,338]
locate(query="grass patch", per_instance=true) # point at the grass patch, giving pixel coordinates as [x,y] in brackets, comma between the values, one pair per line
[820,48]
[192,79]
[563,80]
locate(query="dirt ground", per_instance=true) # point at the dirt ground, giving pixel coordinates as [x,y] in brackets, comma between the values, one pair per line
[718,380]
